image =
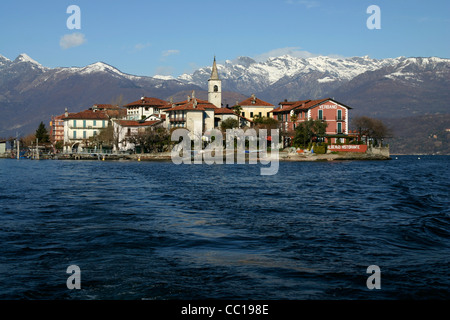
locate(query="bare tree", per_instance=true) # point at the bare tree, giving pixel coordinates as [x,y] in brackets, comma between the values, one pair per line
[118,101]
[371,128]
[152,139]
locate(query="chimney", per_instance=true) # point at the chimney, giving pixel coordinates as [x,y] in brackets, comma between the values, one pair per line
[66,114]
[195,103]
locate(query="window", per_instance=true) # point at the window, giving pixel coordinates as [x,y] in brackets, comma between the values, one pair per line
[251,114]
[320,114]
[95,133]
[260,114]
[216,89]
[74,134]
[103,123]
[339,127]
[339,114]
[84,134]
[84,123]
[95,123]
[74,123]
[243,114]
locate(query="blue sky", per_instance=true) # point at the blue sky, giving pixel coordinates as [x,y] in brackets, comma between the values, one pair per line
[171,37]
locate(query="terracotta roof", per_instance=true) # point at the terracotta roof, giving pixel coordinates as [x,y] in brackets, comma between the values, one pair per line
[258,102]
[287,106]
[202,105]
[88,115]
[223,111]
[146,101]
[134,123]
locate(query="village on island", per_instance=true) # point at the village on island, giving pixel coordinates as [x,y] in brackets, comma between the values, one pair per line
[309,130]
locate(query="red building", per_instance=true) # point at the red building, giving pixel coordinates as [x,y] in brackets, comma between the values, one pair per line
[57,129]
[335,114]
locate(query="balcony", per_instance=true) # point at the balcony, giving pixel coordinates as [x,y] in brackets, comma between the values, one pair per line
[340,119]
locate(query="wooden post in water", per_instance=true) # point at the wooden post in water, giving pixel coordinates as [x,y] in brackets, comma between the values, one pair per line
[18,149]
[37,150]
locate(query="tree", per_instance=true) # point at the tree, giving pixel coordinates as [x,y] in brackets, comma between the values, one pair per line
[42,134]
[294,117]
[118,101]
[265,122]
[237,110]
[105,137]
[229,123]
[152,139]
[28,140]
[371,128]
[308,131]
[59,145]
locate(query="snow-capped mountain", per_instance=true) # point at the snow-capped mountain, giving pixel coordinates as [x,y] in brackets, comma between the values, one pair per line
[30,92]
[288,77]
[251,76]
[388,88]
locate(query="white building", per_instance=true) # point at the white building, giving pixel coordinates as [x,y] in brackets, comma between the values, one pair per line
[145,107]
[127,129]
[79,127]
[193,114]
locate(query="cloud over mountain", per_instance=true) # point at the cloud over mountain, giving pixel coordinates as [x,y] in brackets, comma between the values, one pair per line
[72,40]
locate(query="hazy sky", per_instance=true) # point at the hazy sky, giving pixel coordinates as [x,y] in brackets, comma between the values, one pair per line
[171,37]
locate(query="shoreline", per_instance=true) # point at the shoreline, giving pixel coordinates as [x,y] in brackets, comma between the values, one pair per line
[166,156]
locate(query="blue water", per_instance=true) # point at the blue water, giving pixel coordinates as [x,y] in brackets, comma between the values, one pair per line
[155,230]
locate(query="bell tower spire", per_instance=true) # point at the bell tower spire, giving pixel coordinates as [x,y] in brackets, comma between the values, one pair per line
[215,87]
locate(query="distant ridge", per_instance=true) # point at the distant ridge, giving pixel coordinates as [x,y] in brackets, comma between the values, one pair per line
[384,88]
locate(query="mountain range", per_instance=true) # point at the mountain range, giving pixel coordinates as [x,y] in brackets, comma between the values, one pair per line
[393,89]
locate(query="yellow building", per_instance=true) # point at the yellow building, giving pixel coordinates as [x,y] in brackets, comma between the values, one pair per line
[253,106]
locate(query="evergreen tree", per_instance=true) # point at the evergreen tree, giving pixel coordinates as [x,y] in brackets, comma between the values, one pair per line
[42,133]
[307,131]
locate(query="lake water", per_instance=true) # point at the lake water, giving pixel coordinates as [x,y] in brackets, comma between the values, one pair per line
[155,230]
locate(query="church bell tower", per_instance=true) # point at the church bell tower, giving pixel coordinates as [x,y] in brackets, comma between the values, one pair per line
[215,87]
